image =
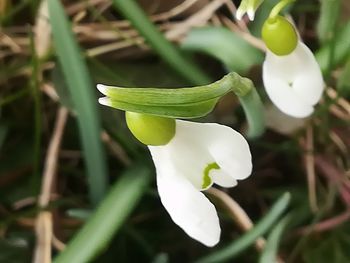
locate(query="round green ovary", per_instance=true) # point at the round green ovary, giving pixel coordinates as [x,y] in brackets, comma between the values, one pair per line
[206,178]
[150,129]
[279,36]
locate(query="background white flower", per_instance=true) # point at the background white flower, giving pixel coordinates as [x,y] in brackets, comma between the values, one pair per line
[293,82]
[249,7]
[199,155]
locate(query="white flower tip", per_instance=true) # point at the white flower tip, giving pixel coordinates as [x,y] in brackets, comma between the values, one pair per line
[104,101]
[239,14]
[251,14]
[212,241]
[102,88]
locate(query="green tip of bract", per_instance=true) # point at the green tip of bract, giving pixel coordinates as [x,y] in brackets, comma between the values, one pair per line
[279,35]
[150,129]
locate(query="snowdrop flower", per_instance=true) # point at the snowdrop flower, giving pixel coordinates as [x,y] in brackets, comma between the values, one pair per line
[189,157]
[249,7]
[291,74]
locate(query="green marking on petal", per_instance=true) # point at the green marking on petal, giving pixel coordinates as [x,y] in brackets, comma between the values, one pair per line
[206,178]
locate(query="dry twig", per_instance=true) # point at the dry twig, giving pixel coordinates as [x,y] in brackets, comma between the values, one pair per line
[310,168]
[44,220]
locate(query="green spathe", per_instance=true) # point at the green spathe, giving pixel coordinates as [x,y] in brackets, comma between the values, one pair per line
[150,129]
[279,35]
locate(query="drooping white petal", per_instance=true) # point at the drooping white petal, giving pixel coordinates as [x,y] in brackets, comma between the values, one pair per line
[187,206]
[293,82]
[284,97]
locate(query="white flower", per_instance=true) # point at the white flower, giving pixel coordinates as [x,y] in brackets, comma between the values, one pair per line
[199,155]
[293,82]
[249,7]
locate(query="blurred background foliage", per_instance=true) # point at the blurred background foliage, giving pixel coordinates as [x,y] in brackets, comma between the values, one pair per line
[73,179]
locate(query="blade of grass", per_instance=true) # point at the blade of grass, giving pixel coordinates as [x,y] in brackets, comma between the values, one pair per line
[249,238]
[82,92]
[329,14]
[228,47]
[269,253]
[35,89]
[162,46]
[337,50]
[108,218]
[343,84]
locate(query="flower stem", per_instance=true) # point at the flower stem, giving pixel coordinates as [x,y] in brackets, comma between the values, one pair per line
[162,46]
[253,108]
[278,8]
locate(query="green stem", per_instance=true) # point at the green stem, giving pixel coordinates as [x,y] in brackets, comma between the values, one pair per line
[278,8]
[251,103]
[156,40]
[108,218]
[249,238]
[254,112]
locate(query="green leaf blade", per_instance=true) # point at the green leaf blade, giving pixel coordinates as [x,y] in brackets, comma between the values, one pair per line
[248,238]
[81,90]
[108,218]
[223,44]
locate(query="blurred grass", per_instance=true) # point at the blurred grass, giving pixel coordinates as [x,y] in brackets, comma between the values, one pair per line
[108,217]
[140,230]
[184,66]
[82,92]
[239,245]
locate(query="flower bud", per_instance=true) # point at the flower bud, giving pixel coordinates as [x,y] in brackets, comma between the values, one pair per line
[150,129]
[279,35]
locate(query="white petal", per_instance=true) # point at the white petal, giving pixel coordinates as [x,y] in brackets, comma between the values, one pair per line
[187,206]
[220,177]
[227,147]
[309,82]
[230,150]
[294,82]
[283,96]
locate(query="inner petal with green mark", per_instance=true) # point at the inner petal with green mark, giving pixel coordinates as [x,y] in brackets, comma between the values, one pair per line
[207,181]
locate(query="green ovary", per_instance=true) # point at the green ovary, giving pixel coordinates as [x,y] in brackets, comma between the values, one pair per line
[206,178]
[279,36]
[150,129]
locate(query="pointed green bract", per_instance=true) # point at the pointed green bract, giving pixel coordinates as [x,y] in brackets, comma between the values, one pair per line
[178,96]
[175,103]
[184,111]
